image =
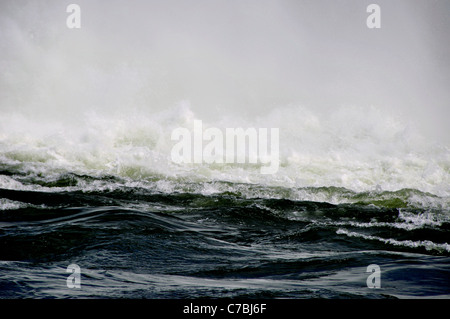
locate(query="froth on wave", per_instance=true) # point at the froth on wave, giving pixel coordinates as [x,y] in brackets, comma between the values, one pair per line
[369,158]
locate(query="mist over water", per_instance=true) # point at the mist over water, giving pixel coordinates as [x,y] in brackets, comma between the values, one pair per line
[228,58]
[352,102]
[86,117]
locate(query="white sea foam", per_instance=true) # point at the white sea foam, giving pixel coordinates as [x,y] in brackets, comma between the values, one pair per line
[406,220]
[367,155]
[103,102]
[6,204]
[427,244]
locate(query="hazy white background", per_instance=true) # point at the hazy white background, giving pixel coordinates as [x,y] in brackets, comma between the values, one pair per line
[228,57]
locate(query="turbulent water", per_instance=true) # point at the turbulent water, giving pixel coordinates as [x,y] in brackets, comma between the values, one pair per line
[138,225]
[90,181]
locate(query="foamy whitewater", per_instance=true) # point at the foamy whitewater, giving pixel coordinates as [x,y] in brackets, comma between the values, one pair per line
[350,148]
[86,176]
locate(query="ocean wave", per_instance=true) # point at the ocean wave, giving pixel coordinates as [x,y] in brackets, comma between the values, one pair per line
[313,154]
[426,244]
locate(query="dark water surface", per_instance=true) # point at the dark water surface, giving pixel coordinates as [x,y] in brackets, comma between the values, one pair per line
[138,243]
[89,119]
